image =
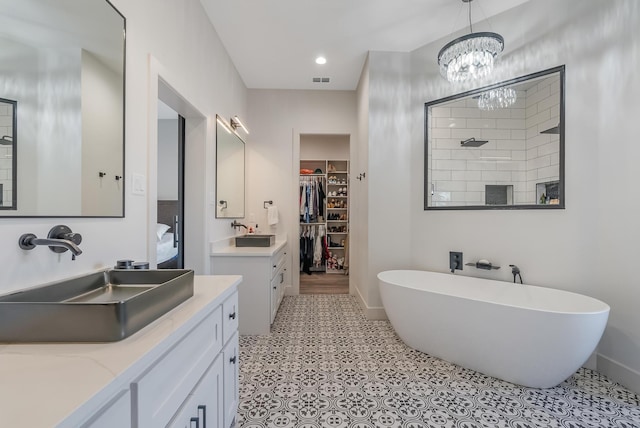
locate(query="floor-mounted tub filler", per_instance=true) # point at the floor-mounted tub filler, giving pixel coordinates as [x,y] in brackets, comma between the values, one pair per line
[528,335]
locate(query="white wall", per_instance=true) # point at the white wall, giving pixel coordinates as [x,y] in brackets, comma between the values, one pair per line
[324,147]
[388,179]
[589,246]
[276,120]
[359,238]
[180,37]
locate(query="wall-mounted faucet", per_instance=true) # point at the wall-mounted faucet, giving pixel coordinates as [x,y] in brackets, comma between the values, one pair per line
[59,240]
[237,225]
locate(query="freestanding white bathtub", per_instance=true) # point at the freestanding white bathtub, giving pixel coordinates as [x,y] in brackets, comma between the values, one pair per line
[528,335]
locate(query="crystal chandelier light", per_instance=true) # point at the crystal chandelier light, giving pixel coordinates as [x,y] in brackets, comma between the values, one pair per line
[471,56]
[497,98]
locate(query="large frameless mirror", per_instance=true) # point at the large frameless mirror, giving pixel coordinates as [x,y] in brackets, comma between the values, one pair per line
[63,62]
[229,172]
[497,147]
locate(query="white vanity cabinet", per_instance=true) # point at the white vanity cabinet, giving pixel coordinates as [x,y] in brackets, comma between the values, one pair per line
[197,367]
[181,371]
[264,279]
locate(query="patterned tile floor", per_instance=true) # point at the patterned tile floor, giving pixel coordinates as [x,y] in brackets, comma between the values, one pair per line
[326,365]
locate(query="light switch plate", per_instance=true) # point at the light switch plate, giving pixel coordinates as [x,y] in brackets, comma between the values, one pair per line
[138,184]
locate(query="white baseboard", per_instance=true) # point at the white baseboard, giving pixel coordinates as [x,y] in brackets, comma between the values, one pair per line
[620,373]
[371,312]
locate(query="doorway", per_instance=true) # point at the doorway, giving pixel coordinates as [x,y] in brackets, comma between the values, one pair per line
[323,203]
[170,188]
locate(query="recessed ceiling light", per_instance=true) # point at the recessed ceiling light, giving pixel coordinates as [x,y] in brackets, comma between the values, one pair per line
[321,60]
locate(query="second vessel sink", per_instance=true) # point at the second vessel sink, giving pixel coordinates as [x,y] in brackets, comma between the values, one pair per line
[255,240]
[104,306]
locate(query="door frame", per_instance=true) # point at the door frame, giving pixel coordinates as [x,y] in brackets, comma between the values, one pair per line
[197,183]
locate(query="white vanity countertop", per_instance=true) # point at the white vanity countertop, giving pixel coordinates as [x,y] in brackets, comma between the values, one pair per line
[61,384]
[233,251]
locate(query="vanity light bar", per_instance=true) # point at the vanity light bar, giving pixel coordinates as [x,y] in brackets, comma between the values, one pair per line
[224,124]
[235,123]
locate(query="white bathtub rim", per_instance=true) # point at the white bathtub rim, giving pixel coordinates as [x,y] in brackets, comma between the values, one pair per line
[387,277]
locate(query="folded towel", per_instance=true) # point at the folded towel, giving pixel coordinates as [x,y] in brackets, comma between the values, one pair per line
[272,215]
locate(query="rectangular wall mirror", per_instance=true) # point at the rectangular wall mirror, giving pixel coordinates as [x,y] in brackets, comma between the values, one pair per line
[229,172]
[497,147]
[63,63]
[8,154]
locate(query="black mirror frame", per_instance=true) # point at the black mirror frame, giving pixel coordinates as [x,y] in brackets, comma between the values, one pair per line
[561,187]
[14,157]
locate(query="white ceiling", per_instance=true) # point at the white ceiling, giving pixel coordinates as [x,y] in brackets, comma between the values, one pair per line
[273,43]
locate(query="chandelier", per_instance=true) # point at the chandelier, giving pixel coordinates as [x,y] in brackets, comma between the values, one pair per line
[497,98]
[471,56]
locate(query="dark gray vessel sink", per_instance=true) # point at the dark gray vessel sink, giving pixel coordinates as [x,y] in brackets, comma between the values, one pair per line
[100,307]
[255,240]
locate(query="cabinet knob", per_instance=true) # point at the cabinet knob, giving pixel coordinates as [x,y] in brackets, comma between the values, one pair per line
[274,288]
[274,266]
[232,360]
[232,316]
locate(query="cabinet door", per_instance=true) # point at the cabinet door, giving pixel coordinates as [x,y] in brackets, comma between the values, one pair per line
[204,407]
[231,391]
[276,290]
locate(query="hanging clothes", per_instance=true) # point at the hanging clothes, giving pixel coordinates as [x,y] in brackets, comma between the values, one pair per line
[317,247]
[312,199]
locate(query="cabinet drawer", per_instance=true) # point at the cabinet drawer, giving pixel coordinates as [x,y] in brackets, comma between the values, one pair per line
[277,260]
[229,317]
[162,390]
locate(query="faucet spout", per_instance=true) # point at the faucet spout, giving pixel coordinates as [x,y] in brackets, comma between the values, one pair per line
[58,243]
[235,224]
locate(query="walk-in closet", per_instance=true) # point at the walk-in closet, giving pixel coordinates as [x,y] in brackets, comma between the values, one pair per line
[324,214]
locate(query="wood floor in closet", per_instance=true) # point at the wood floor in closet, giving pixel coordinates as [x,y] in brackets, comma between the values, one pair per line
[324,283]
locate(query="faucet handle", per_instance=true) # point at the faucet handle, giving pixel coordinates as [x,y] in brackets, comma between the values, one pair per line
[63,232]
[76,238]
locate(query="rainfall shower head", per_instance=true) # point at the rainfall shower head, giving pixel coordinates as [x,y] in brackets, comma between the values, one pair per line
[472,142]
[554,130]
[6,140]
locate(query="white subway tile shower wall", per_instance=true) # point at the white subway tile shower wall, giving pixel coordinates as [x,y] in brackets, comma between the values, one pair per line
[543,156]
[516,154]
[460,174]
[6,157]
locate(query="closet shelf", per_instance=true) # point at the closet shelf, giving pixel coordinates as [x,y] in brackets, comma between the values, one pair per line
[337,233]
[334,221]
[310,224]
[336,208]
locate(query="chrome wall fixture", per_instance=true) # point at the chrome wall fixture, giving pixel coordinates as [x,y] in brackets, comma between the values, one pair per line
[471,56]
[237,123]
